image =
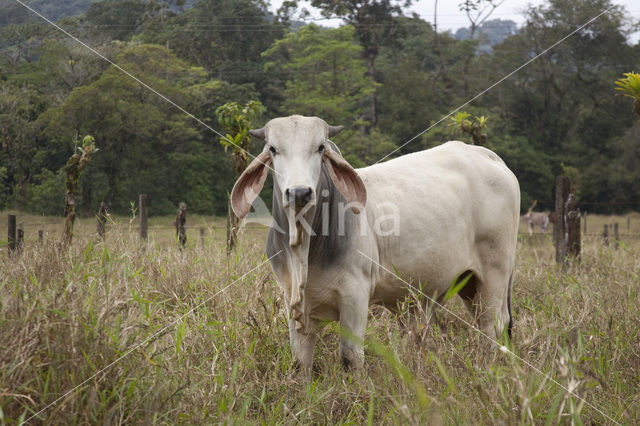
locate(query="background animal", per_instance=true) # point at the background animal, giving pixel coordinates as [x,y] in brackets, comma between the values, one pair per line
[539,219]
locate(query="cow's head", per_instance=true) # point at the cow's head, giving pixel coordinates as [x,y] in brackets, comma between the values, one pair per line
[296,147]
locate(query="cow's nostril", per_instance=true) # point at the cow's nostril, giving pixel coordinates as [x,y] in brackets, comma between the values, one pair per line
[300,195]
[305,194]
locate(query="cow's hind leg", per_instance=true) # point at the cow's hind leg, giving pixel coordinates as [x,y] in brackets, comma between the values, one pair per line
[486,296]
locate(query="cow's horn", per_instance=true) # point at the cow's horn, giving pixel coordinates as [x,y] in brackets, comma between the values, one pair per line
[258,133]
[334,130]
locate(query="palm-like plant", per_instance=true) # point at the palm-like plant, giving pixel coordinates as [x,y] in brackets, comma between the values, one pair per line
[630,86]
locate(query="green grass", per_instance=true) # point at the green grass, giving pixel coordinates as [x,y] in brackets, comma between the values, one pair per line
[66,314]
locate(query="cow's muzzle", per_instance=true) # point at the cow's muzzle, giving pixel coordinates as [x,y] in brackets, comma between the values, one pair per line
[298,196]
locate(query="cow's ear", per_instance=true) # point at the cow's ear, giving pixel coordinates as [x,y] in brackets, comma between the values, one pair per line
[249,184]
[346,179]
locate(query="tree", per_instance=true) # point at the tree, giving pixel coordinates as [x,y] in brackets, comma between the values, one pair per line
[20,42]
[376,25]
[225,37]
[557,99]
[11,12]
[490,33]
[562,103]
[477,11]
[237,120]
[147,144]
[158,17]
[325,76]
[19,108]
[413,92]
[115,19]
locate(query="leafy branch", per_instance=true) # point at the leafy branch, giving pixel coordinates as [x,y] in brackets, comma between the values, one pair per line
[237,119]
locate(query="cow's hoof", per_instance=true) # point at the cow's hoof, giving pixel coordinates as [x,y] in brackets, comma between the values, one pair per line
[346,363]
[351,361]
[299,368]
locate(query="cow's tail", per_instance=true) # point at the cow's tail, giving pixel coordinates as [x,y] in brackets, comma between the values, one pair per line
[509,303]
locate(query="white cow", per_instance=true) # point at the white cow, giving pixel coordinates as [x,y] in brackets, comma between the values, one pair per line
[338,232]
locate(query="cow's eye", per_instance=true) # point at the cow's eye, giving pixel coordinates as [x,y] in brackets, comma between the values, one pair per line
[272,150]
[321,148]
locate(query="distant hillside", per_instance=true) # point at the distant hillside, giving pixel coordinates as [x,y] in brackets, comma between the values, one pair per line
[12,12]
[490,33]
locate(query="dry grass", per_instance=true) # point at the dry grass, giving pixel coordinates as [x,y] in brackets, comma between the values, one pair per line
[66,314]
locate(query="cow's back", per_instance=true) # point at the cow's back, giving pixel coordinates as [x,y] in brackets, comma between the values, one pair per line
[455,202]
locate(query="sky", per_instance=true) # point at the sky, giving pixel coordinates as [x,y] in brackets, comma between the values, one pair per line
[450,17]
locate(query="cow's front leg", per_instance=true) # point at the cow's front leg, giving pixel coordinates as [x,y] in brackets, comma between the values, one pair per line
[302,346]
[353,322]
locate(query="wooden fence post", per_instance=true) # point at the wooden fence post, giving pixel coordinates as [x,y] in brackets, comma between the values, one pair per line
[616,236]
[202,237]
[11,232]
[605,235]
[232,228]
[40,236]
[181,225]
[20,237]
[142,202]
[559,227]
[573,227]
[102,220]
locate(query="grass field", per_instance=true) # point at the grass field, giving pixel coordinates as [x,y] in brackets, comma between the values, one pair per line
[194,337]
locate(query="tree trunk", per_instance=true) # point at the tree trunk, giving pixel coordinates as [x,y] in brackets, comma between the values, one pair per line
[438,50]
[233,222]
[86,195]
[560,225]
[373,110]
[467,65]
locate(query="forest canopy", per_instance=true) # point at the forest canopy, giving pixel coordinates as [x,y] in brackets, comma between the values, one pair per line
[383,74]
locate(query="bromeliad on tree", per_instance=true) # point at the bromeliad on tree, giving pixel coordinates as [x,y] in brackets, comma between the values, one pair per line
[630,86]
[460,123]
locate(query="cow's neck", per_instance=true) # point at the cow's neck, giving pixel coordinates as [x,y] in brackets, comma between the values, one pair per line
[323,250]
